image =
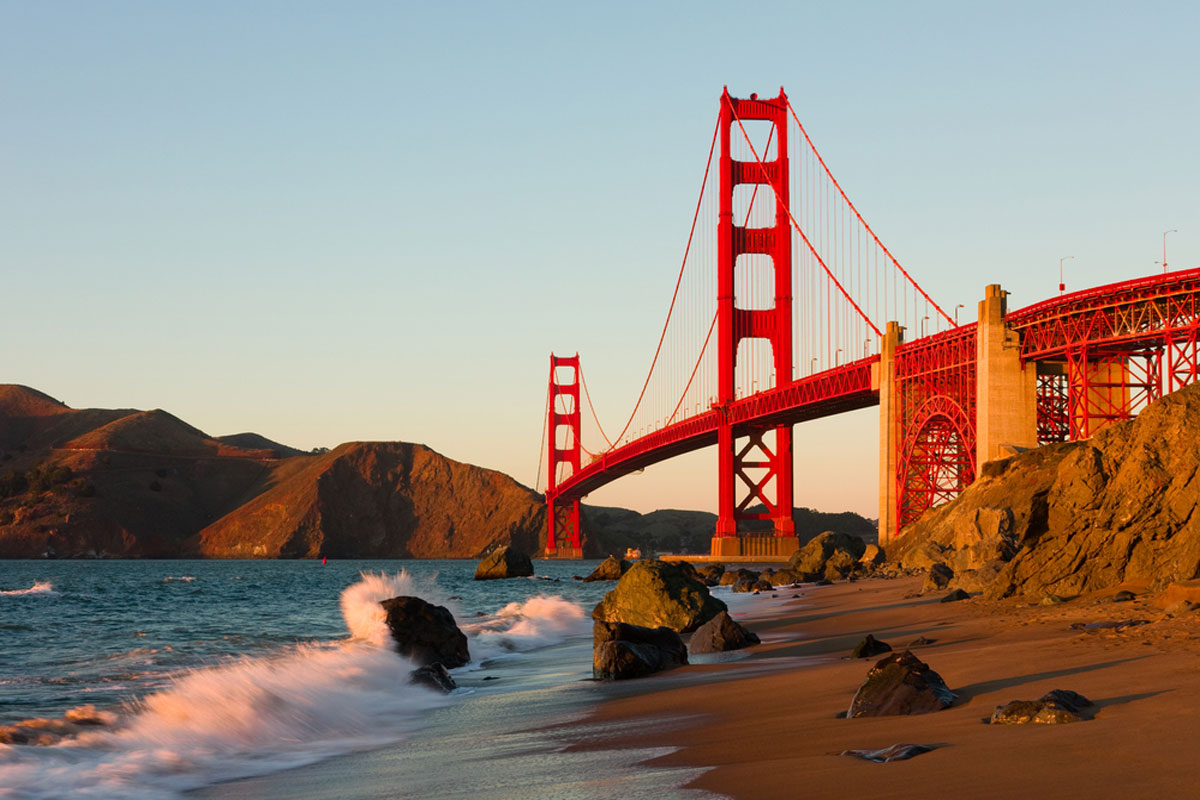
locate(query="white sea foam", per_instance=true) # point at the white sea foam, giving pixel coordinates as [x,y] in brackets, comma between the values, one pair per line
[360,602]
[245,717]
[538,622]
[183,578]
[44,588]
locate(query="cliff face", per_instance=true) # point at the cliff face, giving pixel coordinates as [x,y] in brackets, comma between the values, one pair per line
[1078,517]
[380,500]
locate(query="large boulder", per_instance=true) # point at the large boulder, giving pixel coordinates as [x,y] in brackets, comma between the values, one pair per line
[656,593]
[938,578]
[504,562]
[425,633]
[719,634]
[900,684]
[842,548]
[621,651]
[870,646]
[711,574]
[610,569]
[730,577]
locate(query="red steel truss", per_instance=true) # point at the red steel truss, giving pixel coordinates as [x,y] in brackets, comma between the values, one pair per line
[935,392]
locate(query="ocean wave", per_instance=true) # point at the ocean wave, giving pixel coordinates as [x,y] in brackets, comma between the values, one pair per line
[538,622]
[360,602]
[248,716]
[39,588]
[175,578]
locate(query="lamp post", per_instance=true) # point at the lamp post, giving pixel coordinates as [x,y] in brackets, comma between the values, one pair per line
[924,320]
[1173,230]
[812,366]
[956,308]
[866,346]
[837,357]
[1062,287]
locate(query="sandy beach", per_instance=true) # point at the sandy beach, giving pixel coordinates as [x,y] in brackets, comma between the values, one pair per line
[769,725]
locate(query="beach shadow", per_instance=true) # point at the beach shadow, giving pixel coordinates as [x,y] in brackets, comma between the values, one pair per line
[1100,705]
[969,692]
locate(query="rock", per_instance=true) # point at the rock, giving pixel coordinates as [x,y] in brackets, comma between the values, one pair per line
[1052,600]
[761,585]
[622,651]
[900,684]
[872,556]
[841,564]
[1056,707]
[815,555]
[1123,596]
[610,569]
[719,634]
[504,562]
[743,585]
[711,574]
[897,752]
[729,578]
[433,676]
[425,633]
[939,578]
[870,646]
[921,641]
[955,596]
[655,593]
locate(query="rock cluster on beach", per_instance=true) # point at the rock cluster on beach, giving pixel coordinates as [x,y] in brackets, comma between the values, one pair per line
[1079,517]
[1056,707]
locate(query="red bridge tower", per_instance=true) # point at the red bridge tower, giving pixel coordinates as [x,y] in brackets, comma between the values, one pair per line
[563,534]
[756,465]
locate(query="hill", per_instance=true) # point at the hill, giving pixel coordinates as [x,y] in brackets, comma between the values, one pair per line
[380,500]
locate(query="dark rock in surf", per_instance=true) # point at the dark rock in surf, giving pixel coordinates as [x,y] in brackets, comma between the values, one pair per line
[610,569]
[433,676]
[504,562]
[425,633]
[657,593]
[621,651]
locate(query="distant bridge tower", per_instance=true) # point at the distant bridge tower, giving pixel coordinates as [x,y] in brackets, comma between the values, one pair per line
[760,468]
[563,531]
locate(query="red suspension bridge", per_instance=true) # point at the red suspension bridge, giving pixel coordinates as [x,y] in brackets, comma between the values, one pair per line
[788,307]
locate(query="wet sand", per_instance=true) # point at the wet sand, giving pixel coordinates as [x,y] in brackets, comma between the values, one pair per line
[768,725]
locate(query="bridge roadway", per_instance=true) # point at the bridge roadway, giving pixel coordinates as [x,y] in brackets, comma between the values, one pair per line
[1159,313]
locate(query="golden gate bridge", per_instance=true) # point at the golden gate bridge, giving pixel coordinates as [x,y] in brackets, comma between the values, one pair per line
[788,307]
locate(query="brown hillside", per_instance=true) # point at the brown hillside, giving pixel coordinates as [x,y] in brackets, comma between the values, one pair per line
[381,500]
[1079,517]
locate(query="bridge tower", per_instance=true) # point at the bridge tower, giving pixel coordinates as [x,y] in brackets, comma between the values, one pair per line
[564,537]
[754,466]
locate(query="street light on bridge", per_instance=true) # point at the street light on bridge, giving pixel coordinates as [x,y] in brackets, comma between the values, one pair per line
[956,308]
[1062,287]
[1173,230]
[812,367]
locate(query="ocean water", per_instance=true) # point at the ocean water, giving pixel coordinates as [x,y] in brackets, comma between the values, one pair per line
[232,679]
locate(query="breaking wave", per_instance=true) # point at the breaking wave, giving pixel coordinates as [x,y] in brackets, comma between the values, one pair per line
[44,588]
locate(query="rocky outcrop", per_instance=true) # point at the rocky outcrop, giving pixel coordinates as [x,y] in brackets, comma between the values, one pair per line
[711,574]
[900,684]
[656,593]
[504,562]
[938,578]
[1078,517]
[833,555]
[1056,707]
[621,651]
[610,569]
[425,633]
[730,577]
[719,634]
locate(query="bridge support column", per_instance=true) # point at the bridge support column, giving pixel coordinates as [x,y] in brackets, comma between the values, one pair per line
[564,535]
[1005,389]
[889,434]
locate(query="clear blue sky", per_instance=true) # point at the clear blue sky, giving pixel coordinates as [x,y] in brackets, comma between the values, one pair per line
[335,221]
